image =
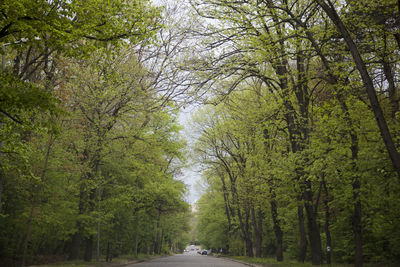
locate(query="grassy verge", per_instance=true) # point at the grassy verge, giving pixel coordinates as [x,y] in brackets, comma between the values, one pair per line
[270,262]
[115,261]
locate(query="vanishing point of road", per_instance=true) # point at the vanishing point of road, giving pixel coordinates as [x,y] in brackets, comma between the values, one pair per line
[189,259]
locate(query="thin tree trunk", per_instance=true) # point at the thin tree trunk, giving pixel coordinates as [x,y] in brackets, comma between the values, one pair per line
[313,229]
[327,222]
[277,228]
[226,201]
[260,230]
[302,231]
[108,252]
[88,249]
[75,244]
[89,241]
[136,237]
[78,235]
[356,184]
[161,241]
[1,184]
[394,102]
[157,230]
[36,200]
[98,241]
[257,230]
[357,228]
[244,226]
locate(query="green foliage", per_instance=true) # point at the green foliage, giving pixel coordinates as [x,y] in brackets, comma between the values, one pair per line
[77,27]
[17,96]
[102,161]
[212,227]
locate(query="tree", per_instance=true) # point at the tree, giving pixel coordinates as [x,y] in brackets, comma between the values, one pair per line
[330,10]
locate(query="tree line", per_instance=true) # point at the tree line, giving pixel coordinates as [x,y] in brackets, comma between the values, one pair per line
[90,144]
[300,142]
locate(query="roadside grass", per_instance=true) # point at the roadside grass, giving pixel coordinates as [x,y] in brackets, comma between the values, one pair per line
[271,262]
[102,263]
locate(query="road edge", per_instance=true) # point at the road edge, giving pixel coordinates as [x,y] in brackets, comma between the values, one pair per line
[135,261]
[238,261]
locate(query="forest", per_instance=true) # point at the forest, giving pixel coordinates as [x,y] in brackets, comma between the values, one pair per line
[90,143]
[295,129]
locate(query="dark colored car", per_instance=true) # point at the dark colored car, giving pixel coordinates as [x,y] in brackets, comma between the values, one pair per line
[204,252]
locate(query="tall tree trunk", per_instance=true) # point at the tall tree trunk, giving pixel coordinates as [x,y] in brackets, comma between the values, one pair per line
[78,236]
[327,221]
[98,241]
[1,184]
[277,227]
[75,244]
[356,183]
[313,229]
[245,231]
[260,230]
[1,173]
[88,248]
[156,234]
[89,241]
[161,241]
[356,186]
[226,201]
[108,253]
[136,237]
[298,136]
[394,155]
[393,98]
[357,228]
[36,200]
[257,224]
[302,231]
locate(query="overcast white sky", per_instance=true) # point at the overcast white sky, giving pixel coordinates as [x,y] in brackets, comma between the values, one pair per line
[191,174]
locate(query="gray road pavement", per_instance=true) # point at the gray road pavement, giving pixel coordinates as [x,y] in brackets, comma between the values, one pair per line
[189,259]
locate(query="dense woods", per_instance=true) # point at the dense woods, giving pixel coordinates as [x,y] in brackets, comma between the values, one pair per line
[297,133]
[90,145]
[300,148]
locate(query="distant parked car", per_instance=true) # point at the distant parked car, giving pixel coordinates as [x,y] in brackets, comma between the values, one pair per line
[204,252]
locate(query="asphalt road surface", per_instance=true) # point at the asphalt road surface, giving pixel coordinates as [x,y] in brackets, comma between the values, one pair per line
[189,259]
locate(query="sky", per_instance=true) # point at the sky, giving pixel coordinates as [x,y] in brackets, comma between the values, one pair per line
[191,174]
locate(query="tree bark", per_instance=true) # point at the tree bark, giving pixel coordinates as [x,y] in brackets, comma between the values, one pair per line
[75,244]
[356,184]
[313,229]
[257,224]
[302,231]
[36,200]
[161,241]
[357,228]
[394,102]
[88,249]
[89,241]
[245,227]
[277,228]
[1,183]
[108,254]
[136,237]
[77,237]
[226,201]
[327,221]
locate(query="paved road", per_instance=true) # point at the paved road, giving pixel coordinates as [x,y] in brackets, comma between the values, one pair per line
[189,259]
